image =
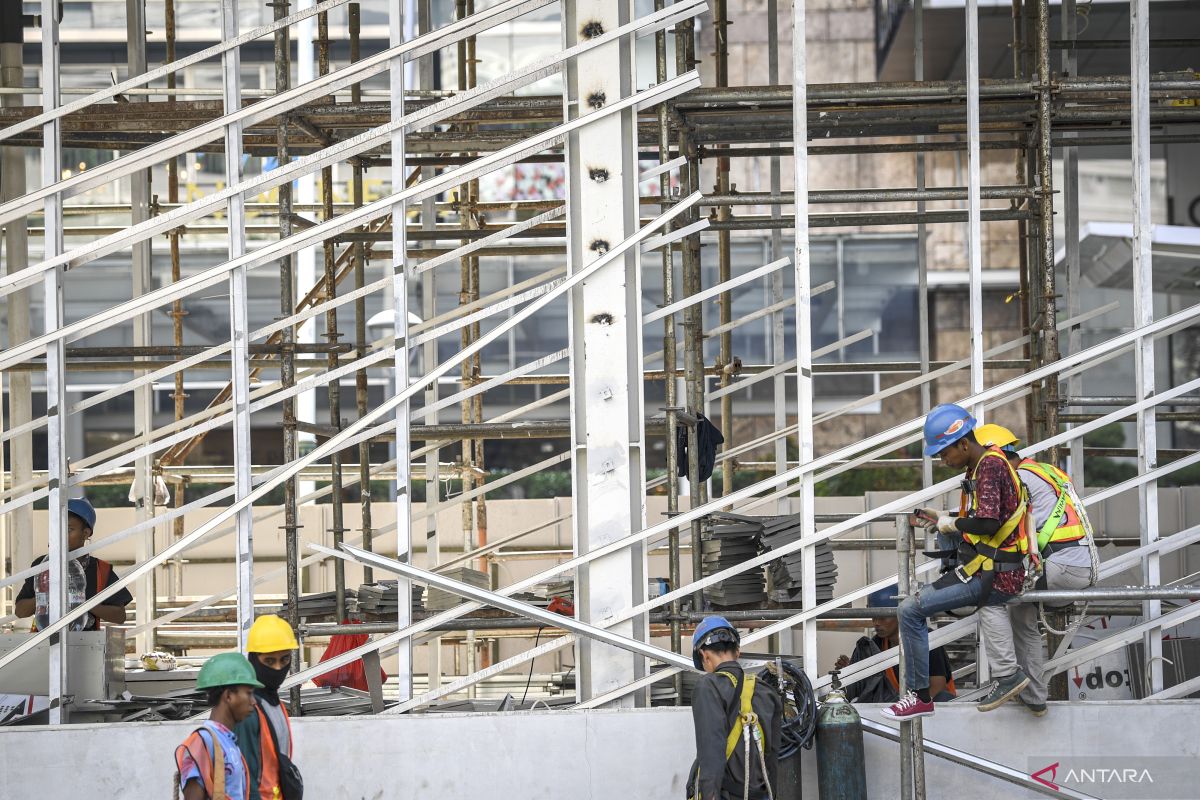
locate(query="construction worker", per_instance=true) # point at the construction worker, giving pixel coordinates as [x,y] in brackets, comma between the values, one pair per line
[87,575]
[265,736]
[986,566]
[884,687]
[738,721]
[1064,540]
[210,765]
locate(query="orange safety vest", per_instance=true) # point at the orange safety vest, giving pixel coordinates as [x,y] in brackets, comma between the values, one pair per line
[1065,523]
[890,673]
[212,768]
[1017,523]
[268,781]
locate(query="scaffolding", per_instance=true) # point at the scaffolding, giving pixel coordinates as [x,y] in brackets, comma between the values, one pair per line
[612,130]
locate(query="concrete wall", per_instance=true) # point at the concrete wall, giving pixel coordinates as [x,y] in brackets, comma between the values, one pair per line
[553,755]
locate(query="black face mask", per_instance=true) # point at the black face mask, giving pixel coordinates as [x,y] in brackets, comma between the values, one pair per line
[271,679]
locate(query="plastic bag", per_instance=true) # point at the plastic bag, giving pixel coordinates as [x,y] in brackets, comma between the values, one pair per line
[352,675]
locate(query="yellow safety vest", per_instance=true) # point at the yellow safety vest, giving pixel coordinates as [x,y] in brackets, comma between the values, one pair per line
[995,542]
[1065,523]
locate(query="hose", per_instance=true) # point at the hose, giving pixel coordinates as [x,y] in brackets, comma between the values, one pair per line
[799,709]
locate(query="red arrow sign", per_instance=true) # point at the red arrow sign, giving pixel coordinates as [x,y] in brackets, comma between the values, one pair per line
[1053,770]
[1078,680]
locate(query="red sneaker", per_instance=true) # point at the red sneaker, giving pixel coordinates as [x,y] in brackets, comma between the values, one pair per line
[909,707]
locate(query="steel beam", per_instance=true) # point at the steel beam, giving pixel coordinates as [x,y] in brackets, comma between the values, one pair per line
[605,334]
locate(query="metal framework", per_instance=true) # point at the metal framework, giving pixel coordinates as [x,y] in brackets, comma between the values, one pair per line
[612,130]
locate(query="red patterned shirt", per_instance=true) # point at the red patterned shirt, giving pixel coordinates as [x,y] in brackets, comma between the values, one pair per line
[998,498]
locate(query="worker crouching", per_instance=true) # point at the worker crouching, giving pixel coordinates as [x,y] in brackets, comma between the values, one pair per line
[265,736]
[737,721]
[210,765]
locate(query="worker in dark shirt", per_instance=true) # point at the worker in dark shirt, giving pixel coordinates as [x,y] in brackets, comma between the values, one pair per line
[737,718]
[884,687]
[81,519]
[990,540]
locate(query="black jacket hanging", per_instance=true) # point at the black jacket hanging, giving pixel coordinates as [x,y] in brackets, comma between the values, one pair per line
[708,436]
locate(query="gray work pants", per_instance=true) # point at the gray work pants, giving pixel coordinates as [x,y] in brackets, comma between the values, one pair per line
[1011,635]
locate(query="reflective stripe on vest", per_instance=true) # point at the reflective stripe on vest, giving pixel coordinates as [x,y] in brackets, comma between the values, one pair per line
[746,709]
[1015,523]
[268,777]
[1064,523]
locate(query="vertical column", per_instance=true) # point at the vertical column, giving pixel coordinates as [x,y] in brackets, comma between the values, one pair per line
[56,396]
[1143,314]
[239,326]
[287,355]
[143,396]
[1070,211]
[1046,260]
[606,342]
[804,374]
[974,227]
[922,240]
[306,259]
[16,258]
[778,345]
[399,299]
[429,357]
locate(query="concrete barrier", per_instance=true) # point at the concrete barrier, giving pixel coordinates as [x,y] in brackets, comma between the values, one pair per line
[551,755]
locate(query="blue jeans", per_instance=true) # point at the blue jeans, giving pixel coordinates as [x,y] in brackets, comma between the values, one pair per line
[914,613]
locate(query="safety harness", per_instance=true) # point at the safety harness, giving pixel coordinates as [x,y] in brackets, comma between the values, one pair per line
[988,555]
[747,727]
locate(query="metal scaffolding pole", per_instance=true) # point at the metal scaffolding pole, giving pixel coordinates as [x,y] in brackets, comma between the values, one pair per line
[1047,319]
[804,341]
[239,327]
[16,258]
[974,229]
[56,396]
[143,398]
[399,304]
[362,398]
[670,393]
[923,343]
[1143,314]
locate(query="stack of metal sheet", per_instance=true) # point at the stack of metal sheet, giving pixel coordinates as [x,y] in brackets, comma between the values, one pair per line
[729,540]
[787,573]
[382,598]
[440,600]
[322,603]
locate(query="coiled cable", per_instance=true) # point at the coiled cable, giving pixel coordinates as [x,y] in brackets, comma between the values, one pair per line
[799,707]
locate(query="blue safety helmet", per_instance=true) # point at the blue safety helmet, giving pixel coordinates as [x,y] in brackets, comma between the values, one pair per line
[81,508]
[710,631]
[945,425]
[884,598]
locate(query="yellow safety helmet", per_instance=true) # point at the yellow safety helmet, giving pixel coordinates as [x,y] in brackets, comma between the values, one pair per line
[270,634]
[998,435]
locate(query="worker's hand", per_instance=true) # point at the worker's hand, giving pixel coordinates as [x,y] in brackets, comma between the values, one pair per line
[946,524]
[928,517]
[842,662]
